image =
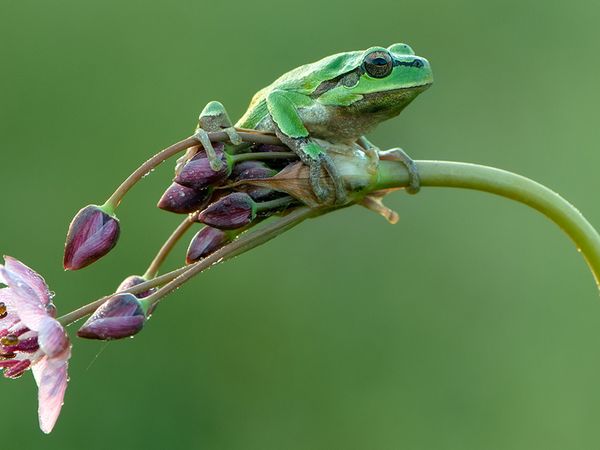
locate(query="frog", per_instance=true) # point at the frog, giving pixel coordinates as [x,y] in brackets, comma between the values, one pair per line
[338,99]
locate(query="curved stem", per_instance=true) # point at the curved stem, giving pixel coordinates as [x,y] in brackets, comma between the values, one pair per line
[505,184]
[274,204]
[263,156]
[88,309]
[169,244]
[393,174]
[242,244]
[219,136]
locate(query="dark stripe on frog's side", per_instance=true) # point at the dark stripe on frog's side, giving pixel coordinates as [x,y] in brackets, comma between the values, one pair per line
[347,79]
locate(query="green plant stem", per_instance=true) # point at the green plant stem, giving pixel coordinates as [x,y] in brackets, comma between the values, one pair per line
[242,244]
[505,184]
[262,156]
[274,204]
[168,246]
[393,174]
[89,308]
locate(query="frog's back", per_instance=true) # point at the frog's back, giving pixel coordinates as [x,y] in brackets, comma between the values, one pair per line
[304,80]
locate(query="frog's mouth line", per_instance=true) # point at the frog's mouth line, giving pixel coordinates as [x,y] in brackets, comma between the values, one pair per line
[417,88]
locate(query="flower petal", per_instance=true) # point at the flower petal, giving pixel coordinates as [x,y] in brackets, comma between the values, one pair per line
[52,338]
[29,277]
[27,293]
[51,378]
[8,297]
[30,313]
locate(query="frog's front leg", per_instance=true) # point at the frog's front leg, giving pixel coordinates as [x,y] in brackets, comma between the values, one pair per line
[289,128]
[213,117]
[397,154]
[372,152]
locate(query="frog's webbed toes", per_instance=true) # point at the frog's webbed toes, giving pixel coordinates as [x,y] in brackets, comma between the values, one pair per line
[338,183]
[320,188]
[397,154]
[321,191]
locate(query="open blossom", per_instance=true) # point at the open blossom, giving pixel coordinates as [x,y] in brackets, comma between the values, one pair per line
[31,338]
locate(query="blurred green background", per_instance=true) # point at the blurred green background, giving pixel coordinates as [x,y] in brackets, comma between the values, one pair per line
[472,324]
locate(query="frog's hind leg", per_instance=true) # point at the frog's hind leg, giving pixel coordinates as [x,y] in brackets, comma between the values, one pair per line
[213,117]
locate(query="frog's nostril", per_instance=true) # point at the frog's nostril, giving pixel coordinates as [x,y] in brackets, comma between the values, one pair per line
[417,63]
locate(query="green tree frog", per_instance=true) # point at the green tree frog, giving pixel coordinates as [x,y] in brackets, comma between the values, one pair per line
[337,99]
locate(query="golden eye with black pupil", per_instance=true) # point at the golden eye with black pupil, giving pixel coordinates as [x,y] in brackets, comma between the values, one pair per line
[378,64]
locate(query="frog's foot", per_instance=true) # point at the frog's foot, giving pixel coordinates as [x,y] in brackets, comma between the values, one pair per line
[215,162]
[233,135]
[397,154]
[322,192]
[182,161]
[213,118]
[374,202]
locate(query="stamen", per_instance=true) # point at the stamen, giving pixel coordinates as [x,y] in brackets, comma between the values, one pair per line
[9,341]
[29,345]
[3,311]
[6,356]
[18,369]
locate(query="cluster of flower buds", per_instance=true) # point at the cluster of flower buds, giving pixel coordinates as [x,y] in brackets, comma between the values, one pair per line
[225,200]
[220,196]
[224,203]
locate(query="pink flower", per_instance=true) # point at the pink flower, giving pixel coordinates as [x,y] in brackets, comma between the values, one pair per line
[30,337]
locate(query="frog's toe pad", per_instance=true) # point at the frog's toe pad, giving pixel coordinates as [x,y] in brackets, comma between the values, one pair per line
[233,135]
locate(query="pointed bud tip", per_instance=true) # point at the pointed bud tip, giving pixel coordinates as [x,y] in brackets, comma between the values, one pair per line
[92,234]
[183,200]
[207,241]
[230,212]
[119,317]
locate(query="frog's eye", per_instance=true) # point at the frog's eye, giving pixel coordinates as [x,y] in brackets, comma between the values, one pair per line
[378,64]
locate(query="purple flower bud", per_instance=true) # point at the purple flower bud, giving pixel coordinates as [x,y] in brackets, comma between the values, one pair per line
[247,170]
[230,212]
[119,317]
[184,200]
[197,173]
[253,170]
[207,241]
[133,281]
[92,234]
